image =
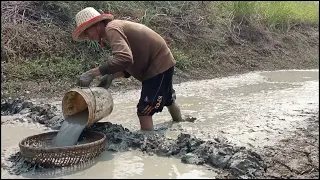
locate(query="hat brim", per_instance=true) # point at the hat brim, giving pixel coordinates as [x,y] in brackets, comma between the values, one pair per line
[78,33]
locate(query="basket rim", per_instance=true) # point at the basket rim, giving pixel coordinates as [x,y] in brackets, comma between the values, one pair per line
[64,148]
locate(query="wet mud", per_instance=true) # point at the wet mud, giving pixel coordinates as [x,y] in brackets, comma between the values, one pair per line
[240,162]
[296,156]
[30,112]
[277,122]
[192,150]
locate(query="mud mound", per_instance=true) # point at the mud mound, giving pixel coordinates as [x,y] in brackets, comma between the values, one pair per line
[241,162]
[13,106]
[41,113]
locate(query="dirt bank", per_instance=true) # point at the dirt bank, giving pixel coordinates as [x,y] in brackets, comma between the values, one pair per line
[205,50]
[237,162]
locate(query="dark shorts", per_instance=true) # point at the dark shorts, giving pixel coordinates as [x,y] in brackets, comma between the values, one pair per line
[156,93]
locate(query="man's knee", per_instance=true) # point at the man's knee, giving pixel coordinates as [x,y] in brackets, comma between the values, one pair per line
[145,110]
[146,123]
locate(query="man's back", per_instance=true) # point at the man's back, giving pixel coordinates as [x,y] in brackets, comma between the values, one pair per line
[150,52]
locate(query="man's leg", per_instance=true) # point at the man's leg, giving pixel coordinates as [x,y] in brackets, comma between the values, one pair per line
[171,104]
[175,112]
[152,100]
[146,123]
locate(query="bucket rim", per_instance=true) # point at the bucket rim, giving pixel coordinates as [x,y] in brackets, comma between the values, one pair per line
[86,99]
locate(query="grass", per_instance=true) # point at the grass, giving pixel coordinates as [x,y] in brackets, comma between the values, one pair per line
[283,11]
[55,67]
[44,48]
[183,60]
[277,12]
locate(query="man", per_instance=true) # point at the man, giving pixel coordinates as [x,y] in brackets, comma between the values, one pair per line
[137,51]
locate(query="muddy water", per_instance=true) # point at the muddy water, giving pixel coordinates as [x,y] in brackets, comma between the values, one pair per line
[71,129]
[252,110]
[12,134]
[130,164]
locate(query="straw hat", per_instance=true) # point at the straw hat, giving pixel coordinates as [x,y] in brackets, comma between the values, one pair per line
[86,18]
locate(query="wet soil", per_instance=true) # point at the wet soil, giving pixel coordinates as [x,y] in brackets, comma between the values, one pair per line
[44,113]
[239,161]
[292,154]
[296,156]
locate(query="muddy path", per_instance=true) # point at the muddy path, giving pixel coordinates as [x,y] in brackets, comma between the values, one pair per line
[246,126]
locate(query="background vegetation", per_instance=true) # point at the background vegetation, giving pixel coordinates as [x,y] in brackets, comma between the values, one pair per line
[36,37]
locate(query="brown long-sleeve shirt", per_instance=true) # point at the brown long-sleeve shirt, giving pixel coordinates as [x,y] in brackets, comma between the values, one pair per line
[137,50]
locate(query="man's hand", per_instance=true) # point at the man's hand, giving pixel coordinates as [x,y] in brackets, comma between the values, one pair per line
[106,81]
[85,79]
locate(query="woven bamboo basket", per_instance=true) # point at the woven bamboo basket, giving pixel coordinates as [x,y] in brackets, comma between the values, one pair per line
[37,148]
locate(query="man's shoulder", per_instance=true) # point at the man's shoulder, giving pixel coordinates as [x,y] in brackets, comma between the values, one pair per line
[114,24]
[122,23]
